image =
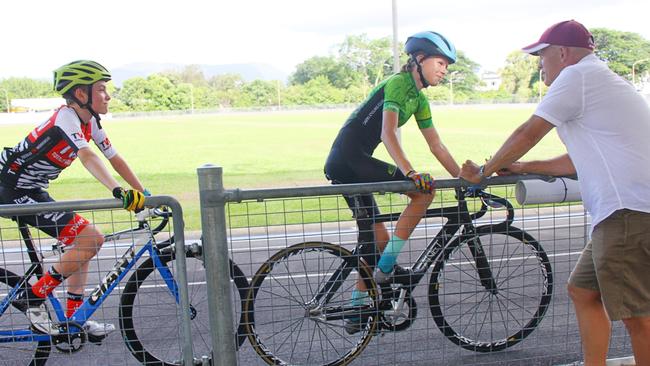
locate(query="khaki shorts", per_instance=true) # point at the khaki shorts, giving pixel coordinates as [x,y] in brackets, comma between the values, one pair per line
[617,264]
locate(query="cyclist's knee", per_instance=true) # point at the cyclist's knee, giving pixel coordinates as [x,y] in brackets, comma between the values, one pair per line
[421,197]
[90,239]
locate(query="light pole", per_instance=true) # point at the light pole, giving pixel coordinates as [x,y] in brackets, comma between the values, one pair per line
[277,88]
[7,100]
[395,48]
[451,87]
[633,66]
[191,97]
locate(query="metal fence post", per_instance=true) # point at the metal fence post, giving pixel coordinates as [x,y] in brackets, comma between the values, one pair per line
[215,252]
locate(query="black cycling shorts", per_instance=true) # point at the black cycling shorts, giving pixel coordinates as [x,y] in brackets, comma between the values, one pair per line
[347,168]
[64,226]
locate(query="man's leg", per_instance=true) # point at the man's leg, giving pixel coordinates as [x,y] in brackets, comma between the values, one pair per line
[639,329]
[593,323]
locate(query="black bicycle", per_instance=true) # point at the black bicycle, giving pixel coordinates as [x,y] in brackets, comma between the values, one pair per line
[489,288]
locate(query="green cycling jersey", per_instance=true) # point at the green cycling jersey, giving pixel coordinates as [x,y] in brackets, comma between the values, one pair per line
[398,93]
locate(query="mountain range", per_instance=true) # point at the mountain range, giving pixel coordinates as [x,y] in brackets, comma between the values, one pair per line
[250,72]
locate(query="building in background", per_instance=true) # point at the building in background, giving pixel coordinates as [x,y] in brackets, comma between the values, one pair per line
[36,104]
[490,81]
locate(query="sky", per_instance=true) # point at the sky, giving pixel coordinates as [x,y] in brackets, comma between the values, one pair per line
[41,35]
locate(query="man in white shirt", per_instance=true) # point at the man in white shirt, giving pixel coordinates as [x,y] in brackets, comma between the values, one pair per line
[605,125]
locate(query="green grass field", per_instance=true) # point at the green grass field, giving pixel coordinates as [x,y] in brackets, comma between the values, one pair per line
[270,149]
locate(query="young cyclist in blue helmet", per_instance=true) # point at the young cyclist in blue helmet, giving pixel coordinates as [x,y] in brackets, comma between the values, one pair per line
[388,107]
[27,169]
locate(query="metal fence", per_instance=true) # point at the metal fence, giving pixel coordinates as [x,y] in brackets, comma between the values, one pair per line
[257,310]
[255,225]
[154,320]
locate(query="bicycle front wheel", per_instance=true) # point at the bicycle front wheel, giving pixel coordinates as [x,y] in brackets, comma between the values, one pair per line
[299,303]
[502,308]
[150,316]
[23,352]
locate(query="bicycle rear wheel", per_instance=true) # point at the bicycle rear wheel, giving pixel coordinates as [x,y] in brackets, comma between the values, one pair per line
[150,318]
[18,353]
[478,318]
[289,324]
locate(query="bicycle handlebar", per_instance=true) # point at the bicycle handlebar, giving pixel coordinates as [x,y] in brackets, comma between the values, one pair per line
[489,200]
[147,213]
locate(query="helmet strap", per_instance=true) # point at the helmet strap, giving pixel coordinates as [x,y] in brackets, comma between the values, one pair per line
[423,80]
[88,104]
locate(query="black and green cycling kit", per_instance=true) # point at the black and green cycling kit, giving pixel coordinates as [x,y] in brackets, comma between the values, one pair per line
[350,159]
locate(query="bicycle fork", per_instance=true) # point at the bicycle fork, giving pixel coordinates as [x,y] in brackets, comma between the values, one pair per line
[482,264]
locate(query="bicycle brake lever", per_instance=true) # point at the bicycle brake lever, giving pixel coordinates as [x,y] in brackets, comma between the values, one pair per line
[492,203]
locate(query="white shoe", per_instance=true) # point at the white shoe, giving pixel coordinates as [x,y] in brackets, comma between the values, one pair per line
[95,329]
[40,319]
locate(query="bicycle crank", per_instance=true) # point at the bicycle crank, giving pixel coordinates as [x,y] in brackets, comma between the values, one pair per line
[70,342]
[398,312]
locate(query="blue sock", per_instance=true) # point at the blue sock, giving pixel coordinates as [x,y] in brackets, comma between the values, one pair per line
[358,297]
[389,256]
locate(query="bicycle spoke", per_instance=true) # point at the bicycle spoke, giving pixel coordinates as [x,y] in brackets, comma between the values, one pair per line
[286,265]
[299,327]
[497,317]
[283,325]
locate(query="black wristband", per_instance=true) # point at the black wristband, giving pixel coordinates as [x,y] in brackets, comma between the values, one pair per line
[117,193]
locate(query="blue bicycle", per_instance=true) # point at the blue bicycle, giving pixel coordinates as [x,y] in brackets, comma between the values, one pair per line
[150,294]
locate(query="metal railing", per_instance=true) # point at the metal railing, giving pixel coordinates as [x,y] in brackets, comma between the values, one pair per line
[95,207]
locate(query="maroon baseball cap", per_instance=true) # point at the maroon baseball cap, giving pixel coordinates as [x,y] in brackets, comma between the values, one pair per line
[568,33]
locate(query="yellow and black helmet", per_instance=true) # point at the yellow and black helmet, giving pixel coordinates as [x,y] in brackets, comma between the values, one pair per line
[82,72]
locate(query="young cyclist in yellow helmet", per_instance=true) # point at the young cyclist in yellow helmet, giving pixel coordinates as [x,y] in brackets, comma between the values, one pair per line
[27,169]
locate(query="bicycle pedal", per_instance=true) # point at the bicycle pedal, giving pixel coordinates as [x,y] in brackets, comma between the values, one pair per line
[97,340]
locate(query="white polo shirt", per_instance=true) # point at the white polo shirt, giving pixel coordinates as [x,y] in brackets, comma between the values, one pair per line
[605,125]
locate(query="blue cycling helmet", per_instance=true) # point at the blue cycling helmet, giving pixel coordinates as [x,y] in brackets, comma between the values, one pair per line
[431,44]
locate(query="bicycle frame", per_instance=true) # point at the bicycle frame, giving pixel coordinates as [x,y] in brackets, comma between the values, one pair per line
[143,243]
[457,217]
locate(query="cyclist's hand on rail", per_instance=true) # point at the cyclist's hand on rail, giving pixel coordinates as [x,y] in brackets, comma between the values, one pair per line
[132,200]
[423,181]
[470,172]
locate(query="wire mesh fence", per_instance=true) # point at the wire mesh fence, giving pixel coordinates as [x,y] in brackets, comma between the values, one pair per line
[291,248]
[130,312]
[487,286]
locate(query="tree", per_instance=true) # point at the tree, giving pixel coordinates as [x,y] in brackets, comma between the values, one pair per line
[260,93]
[191,74]
[156,92]
[25,88]
[339,74]
[621,49]
[465,78]
[371,58]
[519,74]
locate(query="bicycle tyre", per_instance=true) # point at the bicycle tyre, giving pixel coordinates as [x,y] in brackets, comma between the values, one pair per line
[36,353]
[153,338]
[462,307]
[280,327]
